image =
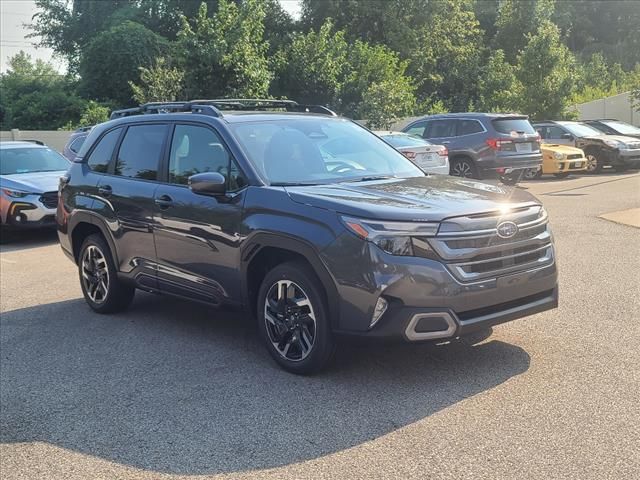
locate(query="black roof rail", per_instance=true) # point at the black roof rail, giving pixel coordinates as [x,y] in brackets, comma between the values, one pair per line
[213,107]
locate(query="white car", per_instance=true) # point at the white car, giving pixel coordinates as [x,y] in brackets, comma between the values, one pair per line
[429,157]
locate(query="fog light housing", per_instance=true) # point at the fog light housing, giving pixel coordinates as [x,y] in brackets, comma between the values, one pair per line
[378,311]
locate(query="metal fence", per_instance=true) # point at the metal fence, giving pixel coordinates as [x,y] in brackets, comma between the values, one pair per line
[619,107]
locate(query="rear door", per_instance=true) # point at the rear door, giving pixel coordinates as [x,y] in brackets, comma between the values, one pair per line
[198,236]
[126,195]
[442,132]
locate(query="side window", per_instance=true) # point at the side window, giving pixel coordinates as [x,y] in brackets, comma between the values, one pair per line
[140,151]
[554,132]
[417,129]
[468,127]
[101,155]
[76,144]
[197,149]
[441,128]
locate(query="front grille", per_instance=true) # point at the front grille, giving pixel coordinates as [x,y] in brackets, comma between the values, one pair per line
[473,251]
[49,199]
[501,307]
[574,156]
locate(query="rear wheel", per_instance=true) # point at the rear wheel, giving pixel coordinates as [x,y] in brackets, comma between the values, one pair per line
[463,167]
[101,287]
[594,161]
[533,174]
[293,319]
[512,178]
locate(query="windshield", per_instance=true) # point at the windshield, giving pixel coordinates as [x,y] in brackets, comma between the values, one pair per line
[400,141]
[30,160]
[581,129]
[623,128]
[318,150]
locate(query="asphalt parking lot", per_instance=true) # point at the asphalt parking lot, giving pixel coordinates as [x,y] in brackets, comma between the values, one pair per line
[171,389]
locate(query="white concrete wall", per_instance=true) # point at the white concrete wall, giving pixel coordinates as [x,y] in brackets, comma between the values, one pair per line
[55,139]
[617,106]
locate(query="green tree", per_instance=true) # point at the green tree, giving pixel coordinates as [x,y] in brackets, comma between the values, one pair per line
[546,71]
[446,63]
[313,67]
[113,59]
[517,19]
[225,55]
[498,87]
[160,83]
[34,96]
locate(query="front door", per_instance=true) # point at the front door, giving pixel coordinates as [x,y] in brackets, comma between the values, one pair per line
[126,194]
[197,236]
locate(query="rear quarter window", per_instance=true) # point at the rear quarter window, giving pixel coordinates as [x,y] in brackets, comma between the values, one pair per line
[509,125]
[100,156]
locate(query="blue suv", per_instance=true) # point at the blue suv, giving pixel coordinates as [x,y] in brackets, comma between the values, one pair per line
[483,145]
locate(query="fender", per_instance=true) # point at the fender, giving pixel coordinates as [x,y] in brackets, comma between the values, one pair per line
[87,216]
[258,241]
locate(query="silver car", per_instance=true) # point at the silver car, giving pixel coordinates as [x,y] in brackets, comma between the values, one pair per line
[29,177]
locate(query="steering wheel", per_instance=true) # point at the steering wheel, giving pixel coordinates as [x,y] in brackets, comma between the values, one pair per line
[341,167]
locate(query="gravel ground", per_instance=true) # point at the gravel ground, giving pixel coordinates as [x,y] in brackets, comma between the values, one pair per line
[171,389]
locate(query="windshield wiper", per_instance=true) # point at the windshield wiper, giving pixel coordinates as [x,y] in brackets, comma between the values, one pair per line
[369,178]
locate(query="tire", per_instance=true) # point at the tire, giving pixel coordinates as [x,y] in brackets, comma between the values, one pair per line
[594,161]
[561,175]
[101,287]
[513,178]
[297,334]
[531,174]
[464,168]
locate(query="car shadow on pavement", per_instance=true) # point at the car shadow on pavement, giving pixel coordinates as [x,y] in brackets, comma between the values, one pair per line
[12,241]
[174,387]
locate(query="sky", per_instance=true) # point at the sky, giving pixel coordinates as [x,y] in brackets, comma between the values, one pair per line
[15,13]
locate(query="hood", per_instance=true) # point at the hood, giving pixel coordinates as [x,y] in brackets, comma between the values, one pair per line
[36,182]
[411,199]
[553,147]
[619,138]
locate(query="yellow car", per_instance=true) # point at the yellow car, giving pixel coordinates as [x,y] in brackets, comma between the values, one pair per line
[559,160]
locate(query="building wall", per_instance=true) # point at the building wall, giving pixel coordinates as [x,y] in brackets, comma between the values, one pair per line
[55,139]
[617,106]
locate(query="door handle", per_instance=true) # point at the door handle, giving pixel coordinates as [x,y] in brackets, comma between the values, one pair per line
[164,201]
[105,190]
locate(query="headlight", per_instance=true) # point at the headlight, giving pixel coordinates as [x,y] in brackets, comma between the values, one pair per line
[558,155]
[15,193]
[614,143]
[396,238]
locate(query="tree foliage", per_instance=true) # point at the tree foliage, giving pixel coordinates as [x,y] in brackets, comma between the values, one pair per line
[546,70]
[160,83]
[225,55]
[113,59]
[35,97]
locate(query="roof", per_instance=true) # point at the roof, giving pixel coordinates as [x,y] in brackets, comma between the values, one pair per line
[474,115]
[22,144]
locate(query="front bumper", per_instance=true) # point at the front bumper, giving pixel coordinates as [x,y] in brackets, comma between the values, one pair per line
[629,158]
[563,166]
[26,212]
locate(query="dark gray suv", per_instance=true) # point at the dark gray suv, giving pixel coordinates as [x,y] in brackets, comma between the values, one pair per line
[310,222]
[483,144]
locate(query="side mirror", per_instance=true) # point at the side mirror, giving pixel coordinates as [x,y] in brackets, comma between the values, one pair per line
[208,183]
[566,136]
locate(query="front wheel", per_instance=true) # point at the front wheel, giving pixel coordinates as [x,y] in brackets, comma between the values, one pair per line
[533,174]
[101,287]
[293,319]
[594,162]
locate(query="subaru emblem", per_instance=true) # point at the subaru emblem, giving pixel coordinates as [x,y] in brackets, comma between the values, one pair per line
[507,229]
